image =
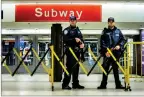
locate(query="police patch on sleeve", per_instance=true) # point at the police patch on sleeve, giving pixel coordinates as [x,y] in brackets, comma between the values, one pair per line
[65,32]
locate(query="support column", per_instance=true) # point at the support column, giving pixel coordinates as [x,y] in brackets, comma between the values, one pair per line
[56,40]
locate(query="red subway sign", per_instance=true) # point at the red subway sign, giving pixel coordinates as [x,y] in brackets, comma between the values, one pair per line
[57,13]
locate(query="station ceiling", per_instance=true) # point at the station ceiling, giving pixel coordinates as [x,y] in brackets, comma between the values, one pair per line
[45,25]
[105,1]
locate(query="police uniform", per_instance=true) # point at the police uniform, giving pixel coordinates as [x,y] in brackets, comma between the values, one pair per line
[110,38]
[69,35]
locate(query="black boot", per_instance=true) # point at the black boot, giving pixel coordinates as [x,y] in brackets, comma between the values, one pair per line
[78,86]
[102,86]
[120,87]
[66,87]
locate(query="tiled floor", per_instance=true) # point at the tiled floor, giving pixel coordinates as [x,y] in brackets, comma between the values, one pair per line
[39,85]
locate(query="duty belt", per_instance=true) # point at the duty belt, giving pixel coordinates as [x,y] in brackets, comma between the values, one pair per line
[76,49]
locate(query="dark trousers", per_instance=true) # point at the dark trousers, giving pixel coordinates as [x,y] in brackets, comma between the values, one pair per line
[72,71]
[115,72]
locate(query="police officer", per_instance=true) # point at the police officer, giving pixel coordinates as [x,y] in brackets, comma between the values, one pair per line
[111,37]
[73,38]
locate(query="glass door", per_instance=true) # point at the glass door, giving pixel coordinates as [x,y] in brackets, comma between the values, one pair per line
[21,45]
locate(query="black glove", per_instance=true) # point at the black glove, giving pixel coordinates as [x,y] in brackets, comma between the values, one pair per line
[102,52]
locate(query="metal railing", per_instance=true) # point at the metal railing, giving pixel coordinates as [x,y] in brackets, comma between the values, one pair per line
[126,69]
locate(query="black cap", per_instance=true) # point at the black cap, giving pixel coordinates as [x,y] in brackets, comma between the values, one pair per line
[73,18]
[111,19]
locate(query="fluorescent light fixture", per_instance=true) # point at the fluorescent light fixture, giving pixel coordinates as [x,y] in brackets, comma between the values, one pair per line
[48,31]
[130,32]
[125,32]
[27,31]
